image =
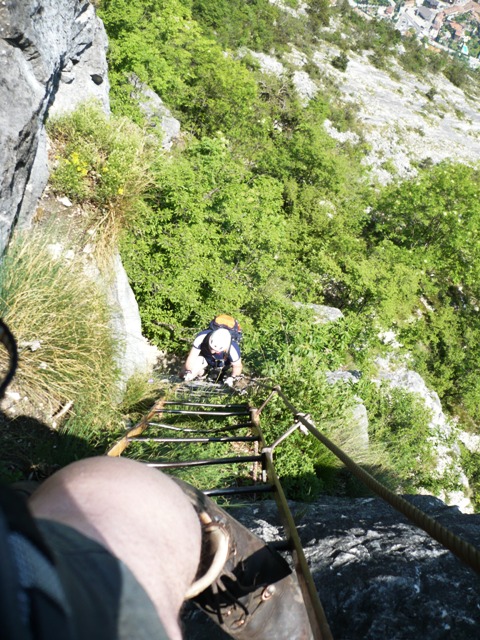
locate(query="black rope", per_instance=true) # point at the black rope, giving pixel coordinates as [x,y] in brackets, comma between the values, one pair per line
[8,341]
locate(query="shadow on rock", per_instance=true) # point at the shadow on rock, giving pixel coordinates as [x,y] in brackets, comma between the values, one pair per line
[31,451]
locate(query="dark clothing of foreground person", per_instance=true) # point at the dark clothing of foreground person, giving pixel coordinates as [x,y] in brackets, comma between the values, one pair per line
[119,547]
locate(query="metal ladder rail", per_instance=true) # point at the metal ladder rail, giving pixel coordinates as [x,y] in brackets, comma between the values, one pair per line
[292,542]
[204,410]
[119,447]
[271,484]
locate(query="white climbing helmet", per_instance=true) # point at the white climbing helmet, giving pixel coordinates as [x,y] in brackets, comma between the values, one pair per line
[220,340]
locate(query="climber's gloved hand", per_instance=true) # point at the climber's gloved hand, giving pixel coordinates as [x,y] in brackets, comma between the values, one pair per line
[188,375]
[230,381]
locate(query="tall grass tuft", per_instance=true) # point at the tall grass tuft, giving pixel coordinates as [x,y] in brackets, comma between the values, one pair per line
[103,164]
[61,322]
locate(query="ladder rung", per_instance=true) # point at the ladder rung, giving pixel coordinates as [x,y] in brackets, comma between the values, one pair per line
[258,488]
[186,412]
[203,463]
[204,404]
[233,427]
[226,439]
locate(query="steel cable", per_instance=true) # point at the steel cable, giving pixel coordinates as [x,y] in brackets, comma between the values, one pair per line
[464,550]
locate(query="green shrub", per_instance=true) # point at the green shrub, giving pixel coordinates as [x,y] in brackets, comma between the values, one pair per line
[238,24]
[102,163]
[207,242]
[457,72]
[471,468]
[318,14]
[431,224]
[340,62]
[399,422]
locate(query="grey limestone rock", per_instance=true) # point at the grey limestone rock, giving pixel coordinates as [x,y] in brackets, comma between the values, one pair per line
[53,57]
[156,112]
[378,576]
[138,354]
[322,313]
[40,40]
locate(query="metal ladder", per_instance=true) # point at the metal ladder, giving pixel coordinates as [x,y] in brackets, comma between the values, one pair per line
[184,417]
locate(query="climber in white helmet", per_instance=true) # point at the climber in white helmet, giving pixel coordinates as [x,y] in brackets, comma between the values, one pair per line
[215,351]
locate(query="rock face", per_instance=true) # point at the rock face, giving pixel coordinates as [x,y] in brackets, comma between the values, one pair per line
[156,112]
[41,43]
[321,313]
[399,121]
[138,353]
[405,119]
[444,433]
[378,576]
[85,72]
[52,57]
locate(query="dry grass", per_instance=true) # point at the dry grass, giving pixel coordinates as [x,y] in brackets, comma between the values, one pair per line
[103,164]
[61,323]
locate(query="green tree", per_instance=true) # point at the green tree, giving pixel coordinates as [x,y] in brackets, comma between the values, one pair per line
[434,222]
[158,41]
[340,62]
[213,238]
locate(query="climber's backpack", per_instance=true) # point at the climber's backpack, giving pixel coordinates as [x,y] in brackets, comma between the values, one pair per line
[223,321]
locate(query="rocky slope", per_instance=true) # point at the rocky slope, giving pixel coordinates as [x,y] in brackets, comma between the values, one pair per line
[401,124]
[378,576]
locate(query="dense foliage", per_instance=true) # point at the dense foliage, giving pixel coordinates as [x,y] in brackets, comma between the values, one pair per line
[258,208]
[432,226]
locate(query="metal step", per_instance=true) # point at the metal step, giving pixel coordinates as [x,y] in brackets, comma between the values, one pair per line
[199,440]
[229,491]
[204,404]
[233,427]
[186,412]
[203,463]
